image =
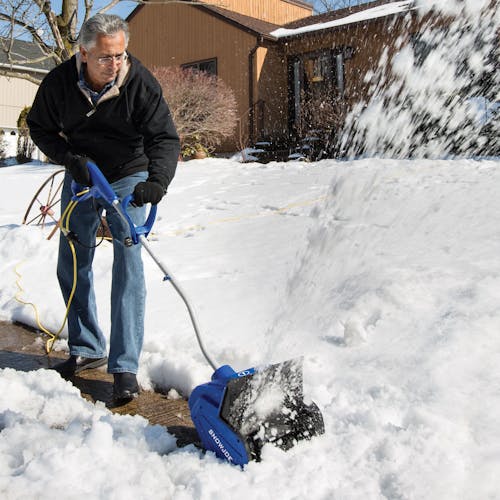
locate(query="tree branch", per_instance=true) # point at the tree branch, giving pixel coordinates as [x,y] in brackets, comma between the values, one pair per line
[329,5]
[24,76]
[45,8]
[28,27]
[89,4]
[109,6]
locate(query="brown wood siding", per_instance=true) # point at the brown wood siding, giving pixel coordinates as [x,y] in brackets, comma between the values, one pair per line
[193,35]
[272,11]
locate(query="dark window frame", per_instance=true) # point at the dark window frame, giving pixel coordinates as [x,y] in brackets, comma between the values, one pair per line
[198,65]
[332,66]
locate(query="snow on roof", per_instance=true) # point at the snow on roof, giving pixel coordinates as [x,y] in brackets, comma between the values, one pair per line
[364,15]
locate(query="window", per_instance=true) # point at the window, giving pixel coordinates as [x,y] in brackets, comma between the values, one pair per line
[318,68]
[317,81]
[324,69]
[421,48]
[339,72]
[208,66]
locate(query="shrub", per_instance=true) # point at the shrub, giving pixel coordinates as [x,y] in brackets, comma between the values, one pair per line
[25,146]
[203,107]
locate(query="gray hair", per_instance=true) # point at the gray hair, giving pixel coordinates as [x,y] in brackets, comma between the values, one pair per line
[101,24]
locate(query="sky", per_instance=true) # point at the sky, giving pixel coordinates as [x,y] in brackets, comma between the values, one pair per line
[123,9]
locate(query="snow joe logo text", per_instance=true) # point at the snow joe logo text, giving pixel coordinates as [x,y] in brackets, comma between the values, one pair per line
[218,442]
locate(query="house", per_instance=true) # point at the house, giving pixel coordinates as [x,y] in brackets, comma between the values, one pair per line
[328,58]
[228,42]
[17,92]
[280,60]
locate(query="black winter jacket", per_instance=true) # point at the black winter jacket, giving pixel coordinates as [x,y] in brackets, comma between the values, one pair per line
[129,130]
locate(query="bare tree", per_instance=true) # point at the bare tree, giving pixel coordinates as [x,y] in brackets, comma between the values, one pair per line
[329,5]
[34,20]
[55,34]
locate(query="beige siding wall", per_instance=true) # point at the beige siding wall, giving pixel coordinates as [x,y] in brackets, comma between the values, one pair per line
[15,94]
[272,11]
[171,35]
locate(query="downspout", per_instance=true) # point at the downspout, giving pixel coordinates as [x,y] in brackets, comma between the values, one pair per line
[251,89]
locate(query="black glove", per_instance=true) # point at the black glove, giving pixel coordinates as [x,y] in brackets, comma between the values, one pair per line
[77,166]
[148,192]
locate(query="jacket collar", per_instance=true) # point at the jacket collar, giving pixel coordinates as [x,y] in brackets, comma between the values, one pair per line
[114,91]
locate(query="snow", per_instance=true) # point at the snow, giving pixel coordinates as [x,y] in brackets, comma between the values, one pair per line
[423,98]
[10,144]
[384,274]
[365,15]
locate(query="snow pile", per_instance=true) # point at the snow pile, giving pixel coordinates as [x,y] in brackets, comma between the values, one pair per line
[383,274]
[424,97]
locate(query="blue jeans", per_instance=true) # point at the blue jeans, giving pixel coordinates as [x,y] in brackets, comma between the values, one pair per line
[128,290]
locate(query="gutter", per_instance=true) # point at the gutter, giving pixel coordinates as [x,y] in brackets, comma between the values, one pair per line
[251,89]
[26,69]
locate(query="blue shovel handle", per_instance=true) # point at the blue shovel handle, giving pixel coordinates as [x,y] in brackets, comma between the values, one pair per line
[137,231]
[101,189]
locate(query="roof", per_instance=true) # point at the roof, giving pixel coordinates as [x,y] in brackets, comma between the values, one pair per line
[248,23]
[300,3]
[23,53]
[342,17]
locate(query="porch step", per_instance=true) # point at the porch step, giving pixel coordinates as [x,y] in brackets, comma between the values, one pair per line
[266,151]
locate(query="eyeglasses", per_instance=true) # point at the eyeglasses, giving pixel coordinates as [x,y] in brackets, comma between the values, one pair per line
[105,60]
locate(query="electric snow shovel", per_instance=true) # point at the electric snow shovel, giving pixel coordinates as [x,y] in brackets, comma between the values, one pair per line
[236,413]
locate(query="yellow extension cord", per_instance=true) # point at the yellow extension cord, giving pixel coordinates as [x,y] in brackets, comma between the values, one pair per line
[64,225]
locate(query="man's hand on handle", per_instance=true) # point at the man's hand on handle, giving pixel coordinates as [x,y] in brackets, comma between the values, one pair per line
[77,167]
[148,192]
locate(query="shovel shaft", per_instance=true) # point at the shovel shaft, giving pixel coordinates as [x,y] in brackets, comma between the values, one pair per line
[168,276]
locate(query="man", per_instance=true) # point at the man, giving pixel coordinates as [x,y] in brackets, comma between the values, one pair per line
[104,105]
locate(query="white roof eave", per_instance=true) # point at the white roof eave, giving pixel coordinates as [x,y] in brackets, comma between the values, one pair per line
[364,15]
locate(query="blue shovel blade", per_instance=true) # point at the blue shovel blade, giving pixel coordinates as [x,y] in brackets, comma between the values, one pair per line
[238,413]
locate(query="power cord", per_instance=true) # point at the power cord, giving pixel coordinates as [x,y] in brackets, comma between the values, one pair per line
[64,225]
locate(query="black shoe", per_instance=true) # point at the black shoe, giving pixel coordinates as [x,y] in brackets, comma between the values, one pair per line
[125,387]
[76,364]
